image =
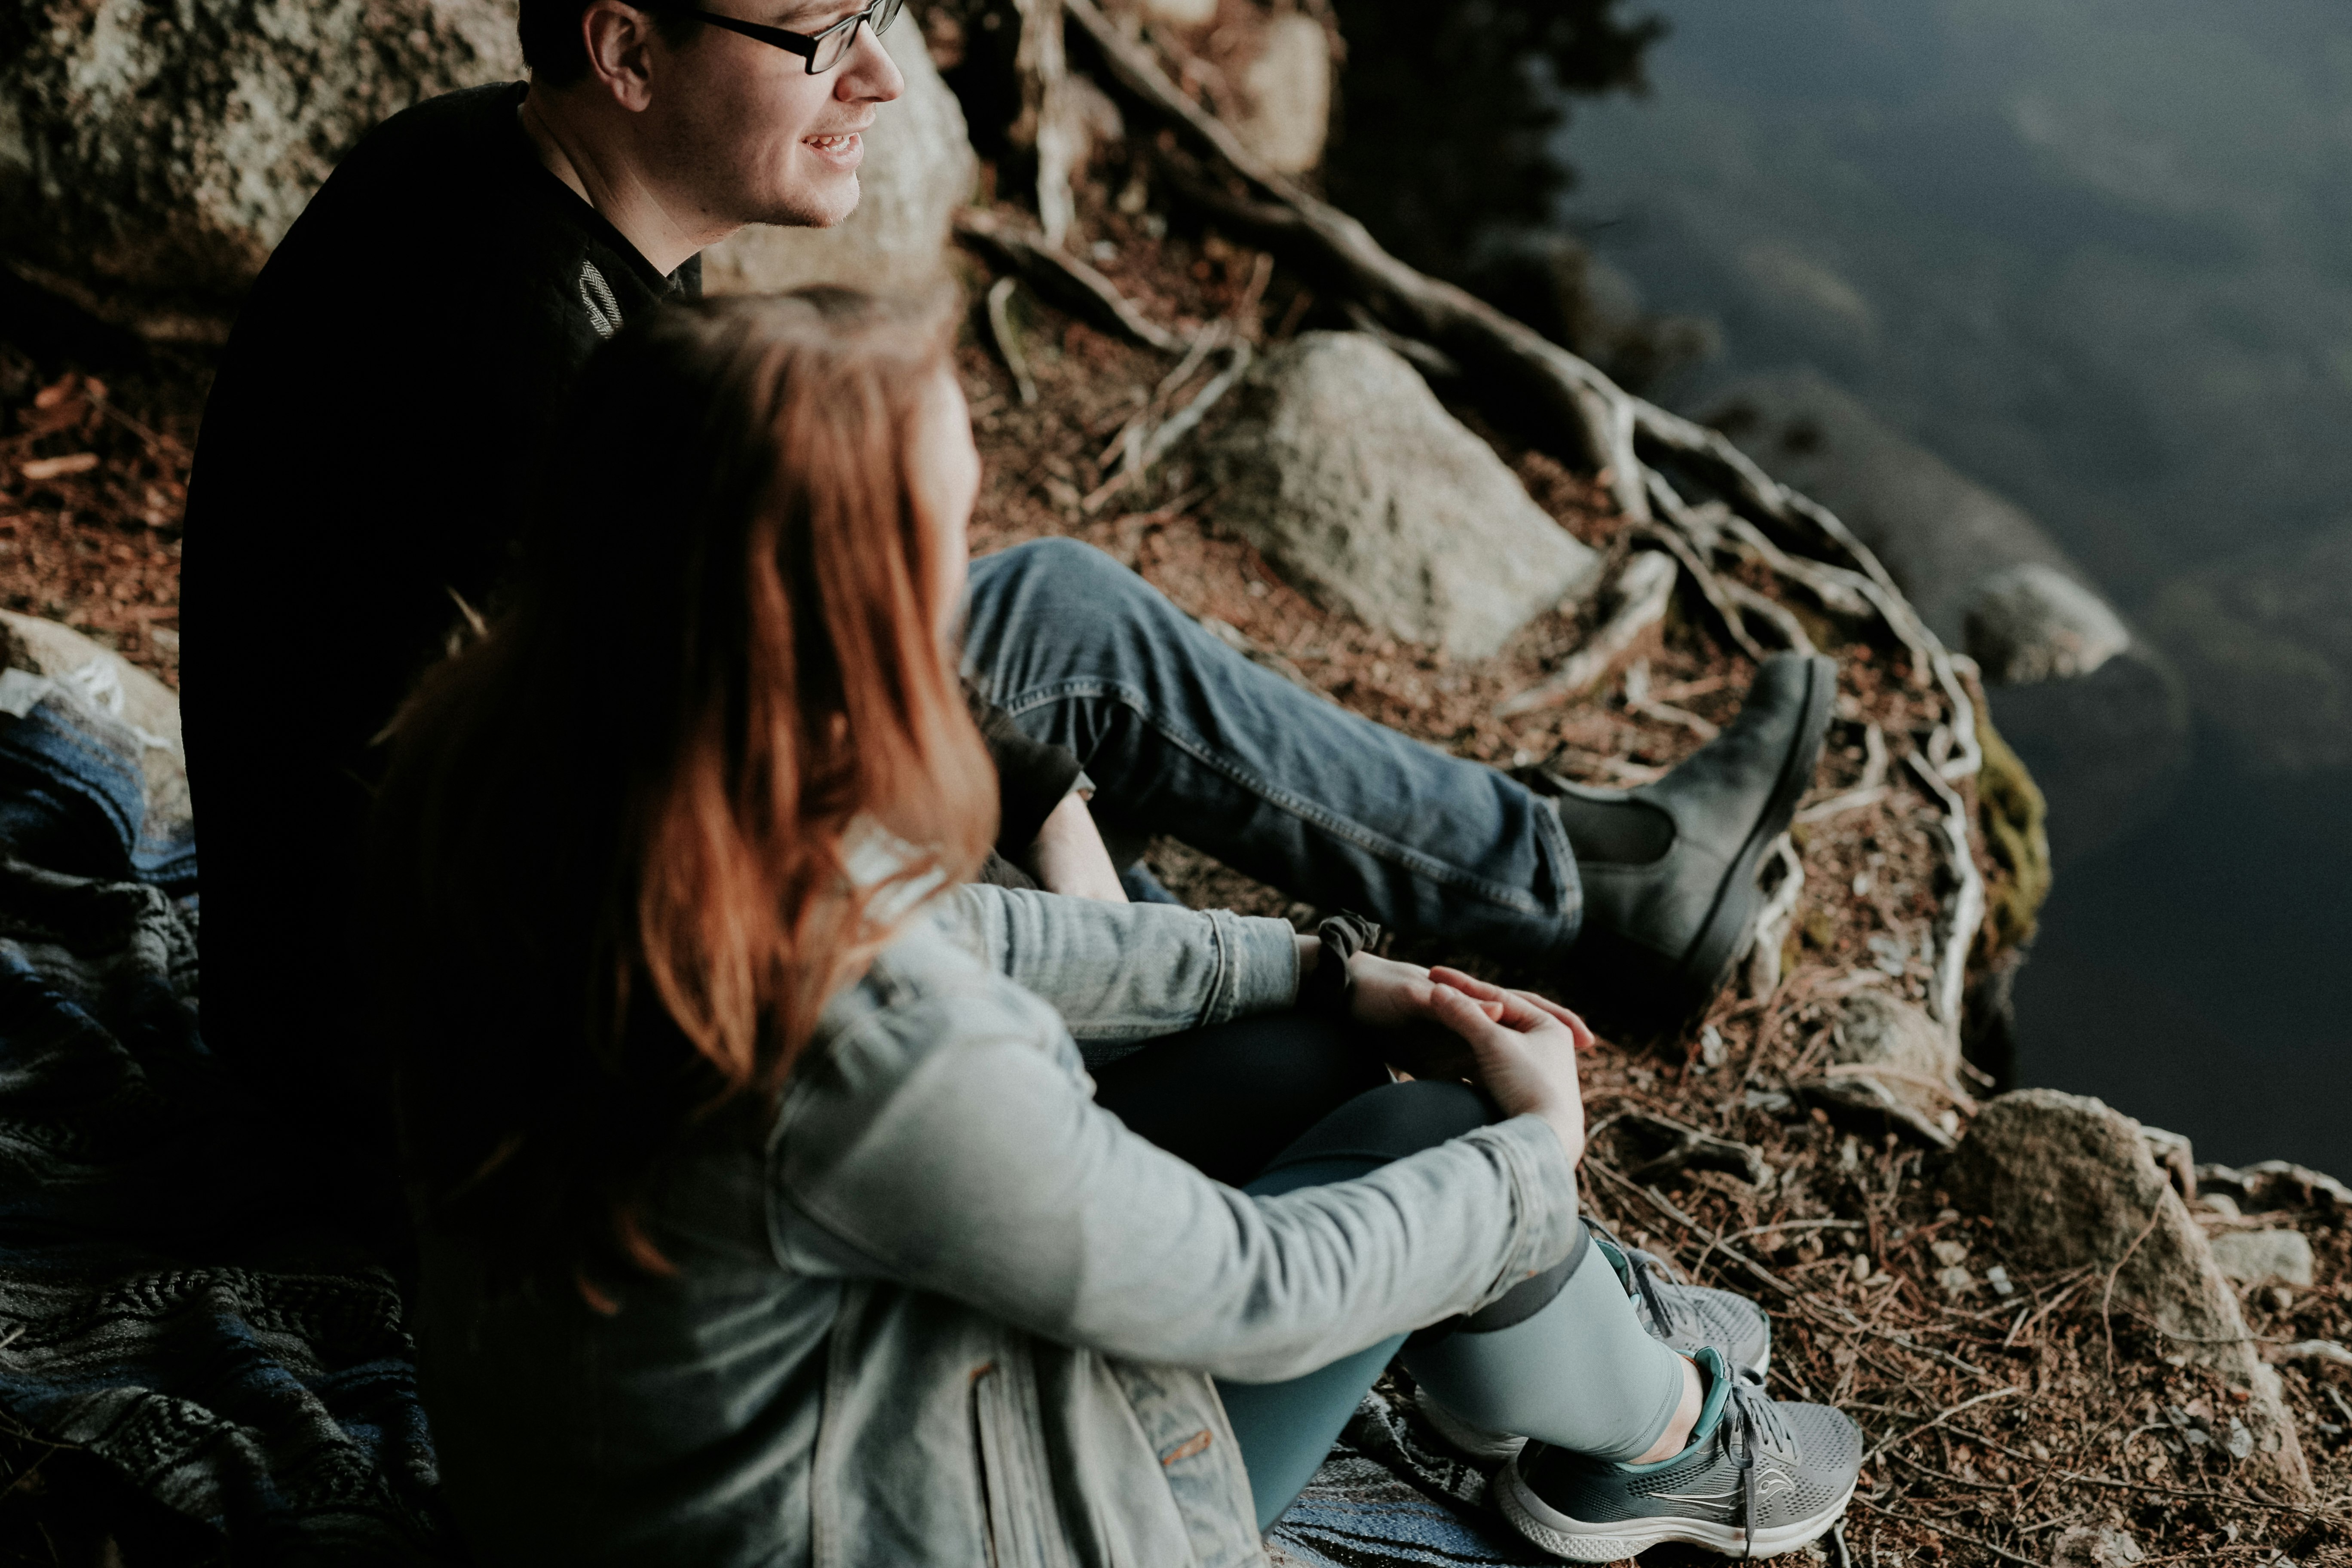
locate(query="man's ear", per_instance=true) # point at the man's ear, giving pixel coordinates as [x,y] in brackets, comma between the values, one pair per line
[619,39]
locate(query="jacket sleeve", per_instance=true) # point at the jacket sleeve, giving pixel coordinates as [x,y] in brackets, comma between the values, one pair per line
[940,1147]
[1032,776]
[1122,974]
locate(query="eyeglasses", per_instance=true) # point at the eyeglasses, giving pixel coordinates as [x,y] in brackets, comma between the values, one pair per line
[823,51]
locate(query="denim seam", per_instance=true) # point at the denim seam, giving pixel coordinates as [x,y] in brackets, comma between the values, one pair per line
[1386,849]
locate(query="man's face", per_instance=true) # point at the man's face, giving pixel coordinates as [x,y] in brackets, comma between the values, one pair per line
[746,135]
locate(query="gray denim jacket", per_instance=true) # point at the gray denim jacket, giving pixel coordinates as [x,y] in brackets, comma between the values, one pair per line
[942,1308]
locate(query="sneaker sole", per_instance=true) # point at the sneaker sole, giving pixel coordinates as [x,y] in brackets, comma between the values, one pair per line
[1578,1541]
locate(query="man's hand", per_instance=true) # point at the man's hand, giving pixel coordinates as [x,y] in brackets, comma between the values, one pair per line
[1069,856]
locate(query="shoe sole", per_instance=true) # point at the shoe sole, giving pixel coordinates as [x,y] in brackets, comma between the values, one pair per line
[1578,1541]
[1637,990]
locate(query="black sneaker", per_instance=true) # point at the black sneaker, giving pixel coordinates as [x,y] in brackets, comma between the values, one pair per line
[1757,1478]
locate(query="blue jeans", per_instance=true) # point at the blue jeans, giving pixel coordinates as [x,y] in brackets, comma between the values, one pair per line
[1183,736]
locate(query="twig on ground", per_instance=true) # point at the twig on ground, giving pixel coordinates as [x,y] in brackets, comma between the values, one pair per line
[1657,1200]
[1063,279]
[1008,345]
[2241,1500]
[1772,922]
[1639,700]
[1644,589]
[2010,1392]
[2156,1213]
[1939,1528]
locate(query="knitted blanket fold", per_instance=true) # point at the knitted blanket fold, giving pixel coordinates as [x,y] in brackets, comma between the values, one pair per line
[1394,1494]
[163,1303]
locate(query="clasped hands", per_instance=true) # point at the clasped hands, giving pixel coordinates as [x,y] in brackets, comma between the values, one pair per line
[1442,1023]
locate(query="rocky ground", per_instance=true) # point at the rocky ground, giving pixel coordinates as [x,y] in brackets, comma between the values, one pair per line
[2123,1359]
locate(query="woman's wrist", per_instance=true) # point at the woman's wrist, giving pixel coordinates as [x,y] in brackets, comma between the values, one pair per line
[1310,957]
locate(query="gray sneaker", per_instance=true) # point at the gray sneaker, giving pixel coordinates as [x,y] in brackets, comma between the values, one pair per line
[1691,1318]
[1757,1478]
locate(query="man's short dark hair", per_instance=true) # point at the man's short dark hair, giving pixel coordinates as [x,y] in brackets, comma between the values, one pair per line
[550,36]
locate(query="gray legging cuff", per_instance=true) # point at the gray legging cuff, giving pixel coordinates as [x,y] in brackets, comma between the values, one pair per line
[1579,1371]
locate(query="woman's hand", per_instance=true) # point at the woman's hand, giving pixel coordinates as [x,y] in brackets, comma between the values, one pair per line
[1525,1046]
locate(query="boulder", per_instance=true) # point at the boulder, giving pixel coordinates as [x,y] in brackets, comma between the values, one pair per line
[151,156]
[1343,468]
[1284,80]
[2070,1183]
[919,168]
[1889,1056]
[2031,622]
[1954,546]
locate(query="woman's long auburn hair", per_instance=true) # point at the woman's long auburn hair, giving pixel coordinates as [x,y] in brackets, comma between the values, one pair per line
[609,852]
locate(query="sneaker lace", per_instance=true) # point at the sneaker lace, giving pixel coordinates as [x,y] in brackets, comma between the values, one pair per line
[1661,1311]
[1750,1415]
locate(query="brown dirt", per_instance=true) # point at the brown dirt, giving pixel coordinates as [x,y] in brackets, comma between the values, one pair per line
[97,545]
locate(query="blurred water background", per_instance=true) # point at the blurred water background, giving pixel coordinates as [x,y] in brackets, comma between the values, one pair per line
[2097,255]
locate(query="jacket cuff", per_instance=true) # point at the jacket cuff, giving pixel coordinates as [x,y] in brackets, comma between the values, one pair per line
[1543,1189]
[1261,964]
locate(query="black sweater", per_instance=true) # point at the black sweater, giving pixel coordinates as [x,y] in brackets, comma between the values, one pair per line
[363,466]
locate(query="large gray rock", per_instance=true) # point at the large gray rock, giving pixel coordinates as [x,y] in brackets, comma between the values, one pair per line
[151,155]
[1345,469]
[1888,1055]
[2029,622]
[2070,1183]
[919,169]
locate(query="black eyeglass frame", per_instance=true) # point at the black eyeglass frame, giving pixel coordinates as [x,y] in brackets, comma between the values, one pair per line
[880,14]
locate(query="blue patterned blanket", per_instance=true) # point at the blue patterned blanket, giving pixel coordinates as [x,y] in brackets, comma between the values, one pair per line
[161,1305]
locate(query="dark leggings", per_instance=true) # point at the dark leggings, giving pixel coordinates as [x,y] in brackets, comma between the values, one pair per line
[1284,1102]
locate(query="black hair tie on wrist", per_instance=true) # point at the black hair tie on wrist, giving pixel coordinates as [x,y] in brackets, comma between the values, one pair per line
[1328,989]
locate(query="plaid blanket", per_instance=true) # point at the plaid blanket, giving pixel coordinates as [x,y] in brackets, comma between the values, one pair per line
[161,1305]
[1393,1493]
